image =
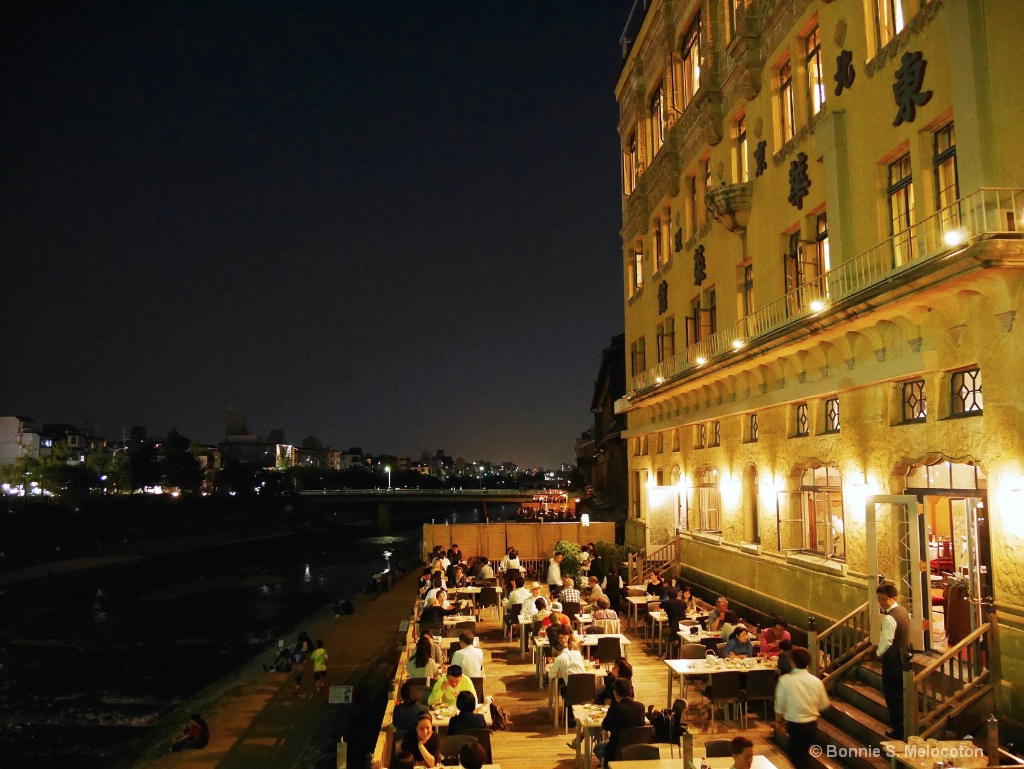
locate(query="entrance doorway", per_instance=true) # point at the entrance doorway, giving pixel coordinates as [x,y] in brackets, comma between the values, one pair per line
[953,502]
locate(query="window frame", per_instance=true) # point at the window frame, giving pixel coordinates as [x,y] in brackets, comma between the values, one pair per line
[815,71]
[801,506]
[900,197]
[704,498]
[689,55]
[656,112]
[801,420]
[943,160]
[975,393]
[832,415]
[918,413]
[787,107]
[742,166]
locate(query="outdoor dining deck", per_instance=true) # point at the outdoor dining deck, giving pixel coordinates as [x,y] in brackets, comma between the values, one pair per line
[532,740]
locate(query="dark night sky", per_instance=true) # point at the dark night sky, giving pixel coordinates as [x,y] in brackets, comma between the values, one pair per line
[388,224]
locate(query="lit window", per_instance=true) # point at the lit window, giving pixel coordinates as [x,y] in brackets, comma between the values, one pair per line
[832,415]
[657,120]
[748,289]
[690,52]
[701,437]
[812,517]
[629,166]
[803,422]
[636,269]
[703,501]
[666,339]
[753,428]
[787,115]
[659,252]
[915,405]
[965,392]
[901,209]
[888,21]
[716,433]
[815,78]
[741,148]
[947,184]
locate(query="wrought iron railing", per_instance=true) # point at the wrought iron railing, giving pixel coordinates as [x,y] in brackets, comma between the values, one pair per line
[989,212]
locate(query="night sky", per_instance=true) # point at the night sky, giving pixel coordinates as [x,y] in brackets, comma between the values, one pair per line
[391,225]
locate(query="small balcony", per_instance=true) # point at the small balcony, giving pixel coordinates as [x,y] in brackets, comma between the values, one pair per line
[987,213]
[730,205]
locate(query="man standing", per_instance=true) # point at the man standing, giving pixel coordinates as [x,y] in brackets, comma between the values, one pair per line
[800,698]
[624,713]
[555,574]
[894,651]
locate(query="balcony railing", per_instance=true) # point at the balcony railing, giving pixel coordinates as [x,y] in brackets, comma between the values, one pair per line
[989,212]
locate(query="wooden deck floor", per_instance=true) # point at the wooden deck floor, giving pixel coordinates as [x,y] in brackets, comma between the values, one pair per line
[532,741]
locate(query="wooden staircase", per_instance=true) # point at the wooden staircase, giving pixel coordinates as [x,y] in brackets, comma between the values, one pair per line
[947,696]
[662,560]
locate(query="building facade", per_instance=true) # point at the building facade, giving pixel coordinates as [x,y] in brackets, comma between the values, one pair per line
[823,206]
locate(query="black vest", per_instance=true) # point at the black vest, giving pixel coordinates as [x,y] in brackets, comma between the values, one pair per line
[900,648]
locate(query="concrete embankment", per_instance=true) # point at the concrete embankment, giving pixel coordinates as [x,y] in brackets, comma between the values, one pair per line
[256,718]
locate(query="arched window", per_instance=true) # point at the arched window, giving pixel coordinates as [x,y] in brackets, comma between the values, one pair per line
[810,517]
[703,501]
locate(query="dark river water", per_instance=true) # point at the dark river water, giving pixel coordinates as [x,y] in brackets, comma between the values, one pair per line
[90,660]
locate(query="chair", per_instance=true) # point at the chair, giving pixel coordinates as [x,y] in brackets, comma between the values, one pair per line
[635,735]
[675,726]
[641,752]
[760,687]
[451,744]
[725,690]
[570,610]
[718,748]
[608,649]
[606,626]
[483,736]
[488,599]
[512,612]
[650,623]
[580,688]
[458,627]
[478,684]
[691,652]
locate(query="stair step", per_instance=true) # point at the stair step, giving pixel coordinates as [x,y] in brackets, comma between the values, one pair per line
[849,751]
[856,724]
[863,696]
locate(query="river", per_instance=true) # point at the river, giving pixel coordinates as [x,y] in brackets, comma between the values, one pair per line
[90,660]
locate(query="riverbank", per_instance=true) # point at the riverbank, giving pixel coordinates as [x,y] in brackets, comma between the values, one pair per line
[257,720]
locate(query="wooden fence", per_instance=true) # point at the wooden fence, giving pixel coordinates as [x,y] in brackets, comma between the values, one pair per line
[534,540]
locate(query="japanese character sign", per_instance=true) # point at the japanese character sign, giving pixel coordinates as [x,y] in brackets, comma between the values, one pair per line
[907,88]
[845,72]
[759,151]
[799,182]
[662,297]
[699,266]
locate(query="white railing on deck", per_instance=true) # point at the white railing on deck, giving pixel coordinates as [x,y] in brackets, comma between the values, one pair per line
[988,212]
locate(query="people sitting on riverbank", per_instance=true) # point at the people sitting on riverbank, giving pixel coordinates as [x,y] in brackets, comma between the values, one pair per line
[739,644]
[772,636]
[422,663]
[486,572]
[469,657]
[195,735]
[423,743]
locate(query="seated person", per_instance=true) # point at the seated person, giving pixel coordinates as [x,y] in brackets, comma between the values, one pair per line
[772,636]
[457,576]
[435,647]
[472,756]
[422,663]
[785,657]
[624,713]
[604,610]
[195,735]
[717,615]
[621,669]
[485,571]
[568,663]
[519,595]
[447,689]
[467,717]
[687,597]
[557,637]
[434,614]
[409,709]
[739,643]
[555,616]
[423,742]
[469,657]
[569,592]
[535,609]
[655,586]
[730,621]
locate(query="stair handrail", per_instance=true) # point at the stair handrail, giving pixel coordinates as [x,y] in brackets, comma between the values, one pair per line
[830,648]
[933,704]
[638,561]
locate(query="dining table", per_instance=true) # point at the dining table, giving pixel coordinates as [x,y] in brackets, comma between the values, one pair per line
[586,642]
[724,762]
[440,715]
[709,667]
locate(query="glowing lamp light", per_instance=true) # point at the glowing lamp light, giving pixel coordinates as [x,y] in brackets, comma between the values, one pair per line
[701,360]
[953,237]
[585,519]
[659,380]
[817,305]
[731,489]
[737,344]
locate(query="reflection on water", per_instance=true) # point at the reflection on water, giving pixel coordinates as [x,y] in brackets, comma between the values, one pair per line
[88,661]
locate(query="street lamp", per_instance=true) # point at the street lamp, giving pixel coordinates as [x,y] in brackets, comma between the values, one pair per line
[387,469]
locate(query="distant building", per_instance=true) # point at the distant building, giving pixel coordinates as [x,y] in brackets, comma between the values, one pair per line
[609,464]
[19,437]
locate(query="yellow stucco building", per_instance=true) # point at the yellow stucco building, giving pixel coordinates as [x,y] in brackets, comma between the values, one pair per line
[823,267]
